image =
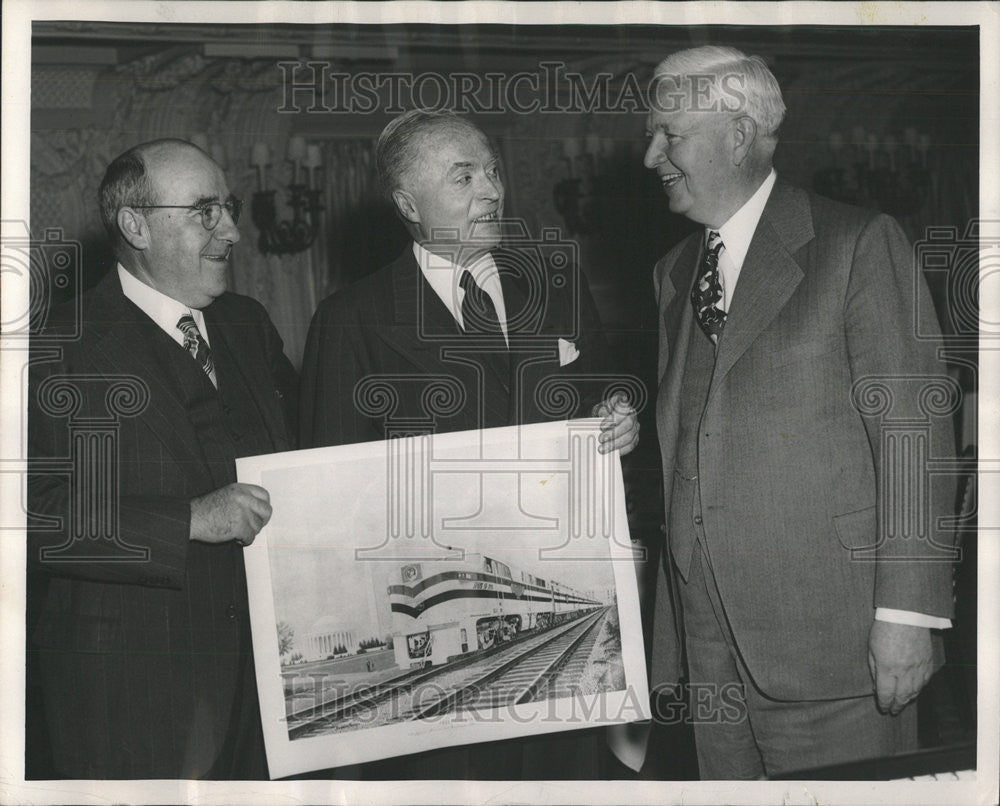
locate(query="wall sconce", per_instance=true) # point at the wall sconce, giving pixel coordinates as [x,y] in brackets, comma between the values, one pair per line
[883,172]
[296,234]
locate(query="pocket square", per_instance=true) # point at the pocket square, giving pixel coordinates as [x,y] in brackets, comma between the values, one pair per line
[567,352]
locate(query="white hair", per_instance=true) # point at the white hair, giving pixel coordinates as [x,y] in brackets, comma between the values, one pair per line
[721,79]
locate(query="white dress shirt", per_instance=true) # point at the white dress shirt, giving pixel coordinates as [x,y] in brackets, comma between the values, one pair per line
[736,235]
[442,275]
[163,310]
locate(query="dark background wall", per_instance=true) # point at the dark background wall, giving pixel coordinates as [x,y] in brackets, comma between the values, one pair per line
[98,88]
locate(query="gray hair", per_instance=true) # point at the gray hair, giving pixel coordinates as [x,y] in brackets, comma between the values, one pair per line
[728,80]
[125,184]
[399,143]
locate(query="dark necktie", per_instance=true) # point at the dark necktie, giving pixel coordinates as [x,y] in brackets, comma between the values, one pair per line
[706,296]
[196,345]
[479,315]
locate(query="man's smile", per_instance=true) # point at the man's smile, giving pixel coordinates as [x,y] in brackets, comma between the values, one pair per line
[671,179]
[222,257]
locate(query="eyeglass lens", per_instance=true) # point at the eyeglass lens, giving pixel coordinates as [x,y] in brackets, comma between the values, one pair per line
[212,213]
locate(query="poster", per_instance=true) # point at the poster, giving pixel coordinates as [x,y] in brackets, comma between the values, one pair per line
[442,590]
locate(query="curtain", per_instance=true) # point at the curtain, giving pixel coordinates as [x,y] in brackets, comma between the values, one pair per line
[360,232]
[234,102]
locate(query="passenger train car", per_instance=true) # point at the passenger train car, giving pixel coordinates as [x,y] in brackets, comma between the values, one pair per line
[445,608]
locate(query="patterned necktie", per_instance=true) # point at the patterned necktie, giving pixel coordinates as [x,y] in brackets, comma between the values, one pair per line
[707,292]
[479,315]
[196,345]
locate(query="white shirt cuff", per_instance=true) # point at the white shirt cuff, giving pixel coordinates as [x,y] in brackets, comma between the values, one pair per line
[567,352]
[911,618]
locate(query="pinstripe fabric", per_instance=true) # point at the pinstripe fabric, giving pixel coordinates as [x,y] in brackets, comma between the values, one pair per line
[144,663]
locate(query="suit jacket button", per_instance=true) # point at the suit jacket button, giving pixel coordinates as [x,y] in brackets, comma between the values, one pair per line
[697,519]
[231,612]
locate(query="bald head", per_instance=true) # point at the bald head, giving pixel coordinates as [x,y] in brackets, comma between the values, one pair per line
[129,180]
[173,220]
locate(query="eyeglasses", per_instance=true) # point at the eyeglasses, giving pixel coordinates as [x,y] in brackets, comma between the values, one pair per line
[211,212]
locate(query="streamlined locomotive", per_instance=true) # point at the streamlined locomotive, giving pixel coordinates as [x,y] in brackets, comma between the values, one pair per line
[446,608]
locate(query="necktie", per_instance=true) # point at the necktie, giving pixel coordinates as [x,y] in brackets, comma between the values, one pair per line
[196,345]
[479,315]
[706,295]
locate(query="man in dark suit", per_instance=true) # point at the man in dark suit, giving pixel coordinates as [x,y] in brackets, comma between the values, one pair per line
[408,321]
[143,636]
[461,332]
[803,605]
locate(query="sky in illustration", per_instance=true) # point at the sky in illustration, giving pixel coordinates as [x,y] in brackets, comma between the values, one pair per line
[325,512]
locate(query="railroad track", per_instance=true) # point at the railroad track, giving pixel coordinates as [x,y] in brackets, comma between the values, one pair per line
[523,669]
[525,677]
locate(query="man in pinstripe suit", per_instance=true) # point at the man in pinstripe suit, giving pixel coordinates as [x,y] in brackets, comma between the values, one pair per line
[143,636]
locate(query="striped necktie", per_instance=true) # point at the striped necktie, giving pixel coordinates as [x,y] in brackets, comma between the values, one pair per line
[197,346]
[706,295]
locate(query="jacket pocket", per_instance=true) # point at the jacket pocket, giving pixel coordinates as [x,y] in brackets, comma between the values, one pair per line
[857,530]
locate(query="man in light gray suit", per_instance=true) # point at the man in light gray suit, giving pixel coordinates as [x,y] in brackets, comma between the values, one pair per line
[786,337]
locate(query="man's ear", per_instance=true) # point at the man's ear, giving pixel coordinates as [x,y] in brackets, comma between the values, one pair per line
[406,205]
[133,227]
[744,136]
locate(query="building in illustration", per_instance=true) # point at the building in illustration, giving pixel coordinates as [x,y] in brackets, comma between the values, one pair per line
[327,637]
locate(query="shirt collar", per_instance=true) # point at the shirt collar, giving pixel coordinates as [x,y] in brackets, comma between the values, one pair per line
[738,231]
[442,275]
[163,310]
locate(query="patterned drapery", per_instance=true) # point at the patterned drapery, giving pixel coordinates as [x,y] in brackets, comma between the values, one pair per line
[173,94]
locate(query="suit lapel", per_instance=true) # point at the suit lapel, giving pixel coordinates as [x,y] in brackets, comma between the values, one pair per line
[769,275]
[121,348]
[678,318]
[419,324]
[675,306]
[256,372]
[535,322]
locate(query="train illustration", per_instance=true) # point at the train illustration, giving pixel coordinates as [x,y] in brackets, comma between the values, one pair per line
[447,608]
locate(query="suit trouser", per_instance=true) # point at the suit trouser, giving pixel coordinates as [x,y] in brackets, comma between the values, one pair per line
[741,733]
[98,710]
